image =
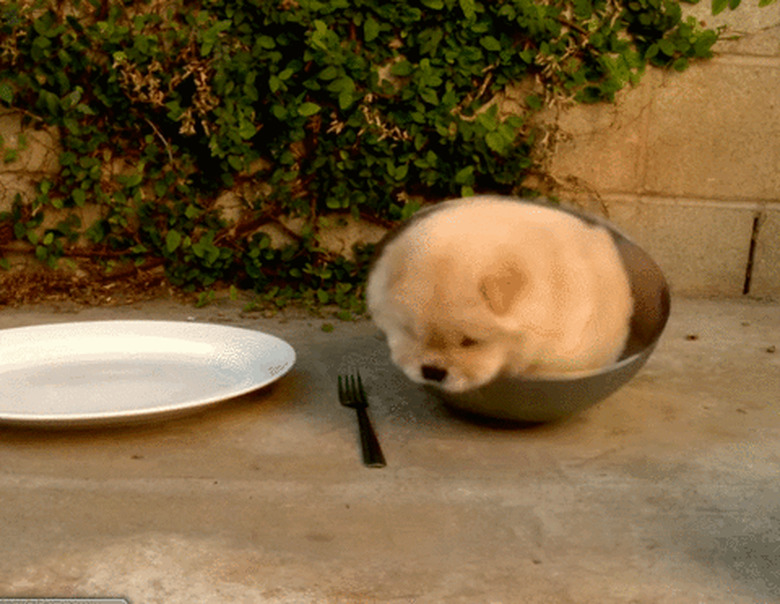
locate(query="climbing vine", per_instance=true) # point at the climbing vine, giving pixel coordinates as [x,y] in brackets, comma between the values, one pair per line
[363,107]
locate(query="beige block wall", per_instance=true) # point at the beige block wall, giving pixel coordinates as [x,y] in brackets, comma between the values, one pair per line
[688,164]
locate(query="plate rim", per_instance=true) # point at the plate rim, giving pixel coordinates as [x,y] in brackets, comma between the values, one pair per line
[145,414]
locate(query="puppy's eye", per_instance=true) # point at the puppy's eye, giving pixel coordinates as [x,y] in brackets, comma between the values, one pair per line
[467,342]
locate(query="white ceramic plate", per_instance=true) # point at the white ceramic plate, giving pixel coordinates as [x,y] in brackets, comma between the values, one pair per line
[106,372]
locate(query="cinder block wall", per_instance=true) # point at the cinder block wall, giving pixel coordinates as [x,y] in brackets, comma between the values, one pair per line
[688,164]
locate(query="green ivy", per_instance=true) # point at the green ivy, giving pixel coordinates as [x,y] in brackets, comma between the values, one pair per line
[356,106]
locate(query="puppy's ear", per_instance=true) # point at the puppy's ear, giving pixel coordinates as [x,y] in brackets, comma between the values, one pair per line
[502,285]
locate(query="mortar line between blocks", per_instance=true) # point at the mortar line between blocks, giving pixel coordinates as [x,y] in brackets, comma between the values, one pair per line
[747,60]
[754,205]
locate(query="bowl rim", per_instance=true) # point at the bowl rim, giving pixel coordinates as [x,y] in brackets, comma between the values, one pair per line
[579,375]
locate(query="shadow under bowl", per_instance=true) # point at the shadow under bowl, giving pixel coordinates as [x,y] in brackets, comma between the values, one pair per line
[536,400]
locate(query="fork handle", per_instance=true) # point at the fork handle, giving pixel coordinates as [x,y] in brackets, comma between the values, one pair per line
[372,452]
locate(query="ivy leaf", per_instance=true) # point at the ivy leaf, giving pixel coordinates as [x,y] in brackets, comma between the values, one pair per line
[370,29]
[6,93]
[308,109]
[490,43]
[667,47]
[487,119]
[279,111]
[429,40]
[50,101]
[718,6]
[172,240]
[407,211]
[345,99]
[246,129]
[465,175]
[704,43]
[133,180]
[72,125]
[398,172]
[429,96]
[322,38]
[583,9]
[651,51]
[79,197]
[85,109]
[496,141]
[467,6]
[342,84]
[533,102]
[329,73]
[402,69]
[266,42]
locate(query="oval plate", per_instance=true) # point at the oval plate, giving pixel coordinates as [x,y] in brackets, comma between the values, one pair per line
[114,372]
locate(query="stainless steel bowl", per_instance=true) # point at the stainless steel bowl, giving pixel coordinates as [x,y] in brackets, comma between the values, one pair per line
[553,398]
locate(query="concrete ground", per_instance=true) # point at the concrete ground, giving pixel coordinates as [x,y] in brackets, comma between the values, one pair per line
[667,491]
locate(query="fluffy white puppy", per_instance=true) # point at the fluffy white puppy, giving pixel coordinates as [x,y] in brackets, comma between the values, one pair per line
[484,286]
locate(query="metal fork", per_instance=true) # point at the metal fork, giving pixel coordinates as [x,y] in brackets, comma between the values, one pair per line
[352,394]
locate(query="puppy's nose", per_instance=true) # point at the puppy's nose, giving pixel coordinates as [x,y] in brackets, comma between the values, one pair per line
[433,373]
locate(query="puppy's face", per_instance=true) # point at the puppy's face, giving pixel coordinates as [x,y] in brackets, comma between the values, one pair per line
[450,354]
[443,322]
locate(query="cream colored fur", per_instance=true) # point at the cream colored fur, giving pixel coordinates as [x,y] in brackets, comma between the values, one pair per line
[488,285]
